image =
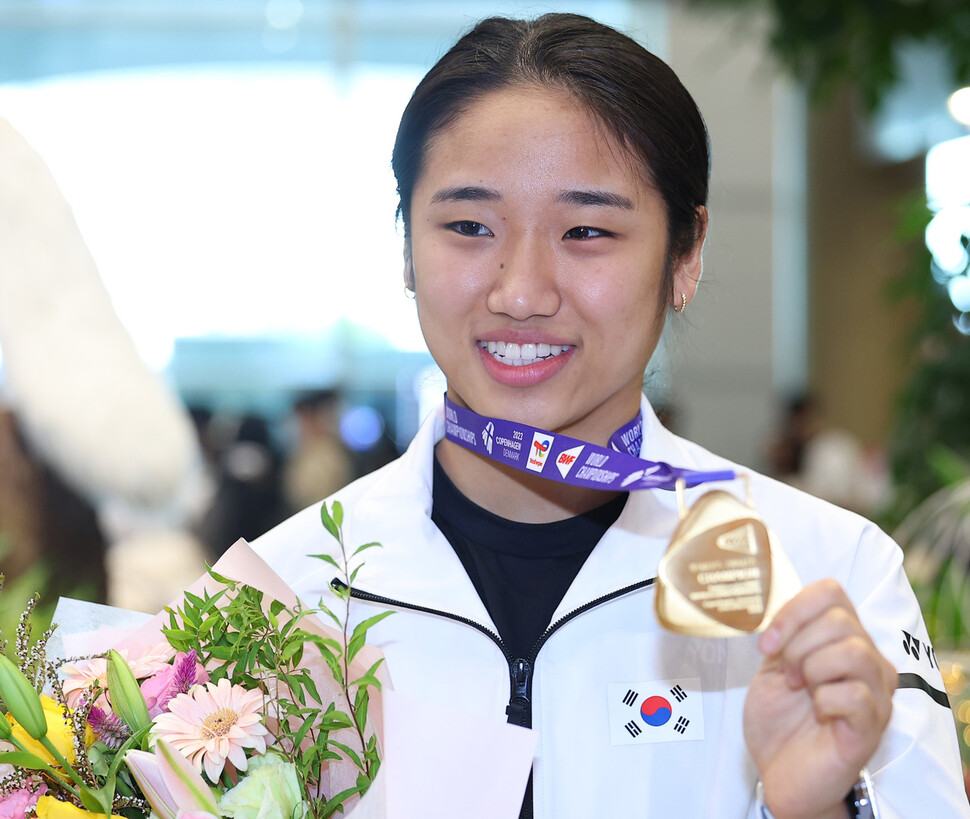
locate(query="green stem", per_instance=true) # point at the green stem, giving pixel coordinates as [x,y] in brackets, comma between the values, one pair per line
[66,767]
[64,783]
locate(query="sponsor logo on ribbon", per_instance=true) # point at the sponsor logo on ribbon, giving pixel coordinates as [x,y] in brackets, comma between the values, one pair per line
[567,459]
[488,436]
[539,453]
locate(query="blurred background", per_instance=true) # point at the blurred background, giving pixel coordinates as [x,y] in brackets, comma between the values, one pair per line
[242,345]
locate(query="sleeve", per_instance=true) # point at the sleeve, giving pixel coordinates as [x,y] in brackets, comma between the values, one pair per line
[916,771]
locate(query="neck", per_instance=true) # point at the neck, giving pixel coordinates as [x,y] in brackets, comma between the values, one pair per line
[511,493]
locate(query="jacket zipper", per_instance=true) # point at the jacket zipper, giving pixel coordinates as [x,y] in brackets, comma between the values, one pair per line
[519,709]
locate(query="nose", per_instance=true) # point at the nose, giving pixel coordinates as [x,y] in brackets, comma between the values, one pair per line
[526,283]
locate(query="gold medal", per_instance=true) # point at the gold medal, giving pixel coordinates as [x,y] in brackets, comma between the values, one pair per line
[722,574]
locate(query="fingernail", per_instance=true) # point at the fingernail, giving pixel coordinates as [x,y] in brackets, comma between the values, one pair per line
[770,641]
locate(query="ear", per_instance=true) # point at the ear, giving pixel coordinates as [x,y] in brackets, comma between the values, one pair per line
[689,267]
[408,266]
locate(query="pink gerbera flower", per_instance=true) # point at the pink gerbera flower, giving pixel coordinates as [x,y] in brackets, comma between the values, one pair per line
[214,723]
[80,676]
[149,660]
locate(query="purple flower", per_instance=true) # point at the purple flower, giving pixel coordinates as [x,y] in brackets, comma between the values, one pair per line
[109,727]
[171,681]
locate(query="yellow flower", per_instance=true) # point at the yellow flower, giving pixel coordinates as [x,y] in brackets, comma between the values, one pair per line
[50,808]
[58,732]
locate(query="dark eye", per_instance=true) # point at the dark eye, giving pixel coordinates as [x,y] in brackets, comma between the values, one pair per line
[585,232]
[466,228]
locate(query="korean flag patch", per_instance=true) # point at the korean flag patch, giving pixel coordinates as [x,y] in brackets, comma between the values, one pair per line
[657,711]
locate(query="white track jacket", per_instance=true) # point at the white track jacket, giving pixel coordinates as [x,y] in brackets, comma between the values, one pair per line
[632,720]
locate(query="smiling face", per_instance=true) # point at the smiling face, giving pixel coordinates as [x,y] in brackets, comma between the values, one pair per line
[538,256]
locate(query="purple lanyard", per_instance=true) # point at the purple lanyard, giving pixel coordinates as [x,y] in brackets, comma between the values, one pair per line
[570,460]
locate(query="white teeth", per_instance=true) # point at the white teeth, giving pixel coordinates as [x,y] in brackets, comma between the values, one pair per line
[517,355]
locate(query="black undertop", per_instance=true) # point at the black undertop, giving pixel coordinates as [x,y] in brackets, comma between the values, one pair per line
[520,570]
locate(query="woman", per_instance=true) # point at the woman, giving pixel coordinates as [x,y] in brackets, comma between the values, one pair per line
[553,182]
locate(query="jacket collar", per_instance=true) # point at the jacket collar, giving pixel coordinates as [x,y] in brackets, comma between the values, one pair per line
[428,572]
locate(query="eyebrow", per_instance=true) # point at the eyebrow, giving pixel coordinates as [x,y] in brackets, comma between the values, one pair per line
[580,198]
[466,193]
[594,198]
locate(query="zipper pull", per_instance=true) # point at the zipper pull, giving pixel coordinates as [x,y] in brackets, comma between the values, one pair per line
[519,709]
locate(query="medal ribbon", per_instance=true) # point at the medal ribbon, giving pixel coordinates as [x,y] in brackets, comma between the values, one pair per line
[572,461]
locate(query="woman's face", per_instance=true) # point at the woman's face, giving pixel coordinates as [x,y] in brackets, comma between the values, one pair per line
[538,256]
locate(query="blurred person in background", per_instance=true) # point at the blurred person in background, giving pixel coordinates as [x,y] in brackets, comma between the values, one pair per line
[46,524]
[319,463]
[826,461]
[100,452]
[248,494]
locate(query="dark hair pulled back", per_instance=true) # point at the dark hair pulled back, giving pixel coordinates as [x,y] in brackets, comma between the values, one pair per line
[635,96]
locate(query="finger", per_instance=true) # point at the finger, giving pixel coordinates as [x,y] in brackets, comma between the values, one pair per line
[832,626]
[858,715]
[804,607]
[852,660]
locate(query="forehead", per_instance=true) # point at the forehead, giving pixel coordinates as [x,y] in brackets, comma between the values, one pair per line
[547,130]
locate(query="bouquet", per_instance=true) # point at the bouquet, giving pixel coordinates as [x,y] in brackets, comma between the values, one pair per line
[232,703]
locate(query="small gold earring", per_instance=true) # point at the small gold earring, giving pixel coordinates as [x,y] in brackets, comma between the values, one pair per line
[683,304]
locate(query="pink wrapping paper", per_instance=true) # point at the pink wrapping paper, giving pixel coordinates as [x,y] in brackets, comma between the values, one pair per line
[241,563]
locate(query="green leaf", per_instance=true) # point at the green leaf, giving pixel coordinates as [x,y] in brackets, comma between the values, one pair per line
[223,652]
[354,646]
[359,637]
[367,680]
[24,759]
[303,730]
[194,599]
[328,559]
[325,610]
[328,522]
[325,643]
[338,513]
[95,802]
[359,549]
[311,687]
[292,652]
[221,578]
[352,755]
[364,625]
[361,703]
[334,721]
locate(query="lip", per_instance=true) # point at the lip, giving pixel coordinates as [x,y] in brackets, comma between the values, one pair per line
[527,375]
